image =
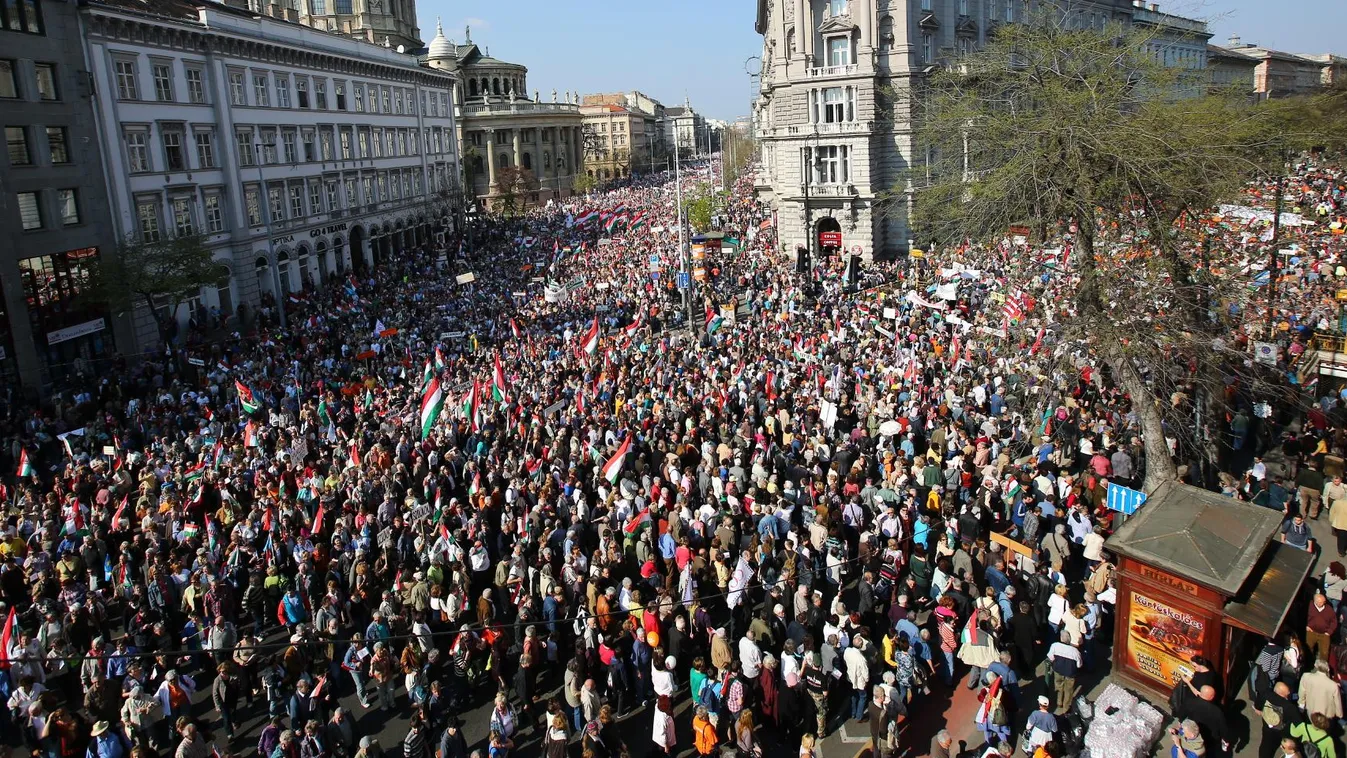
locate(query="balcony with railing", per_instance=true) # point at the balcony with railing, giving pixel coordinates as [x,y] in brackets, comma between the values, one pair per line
[832,190]
[839,127]
[518,107]
[824,72]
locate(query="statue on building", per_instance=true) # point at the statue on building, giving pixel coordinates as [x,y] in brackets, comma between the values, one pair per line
[536,98]
[509,90]
[467,34]
[554,95]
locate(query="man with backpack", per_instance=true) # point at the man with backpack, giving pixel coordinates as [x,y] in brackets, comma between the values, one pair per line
[816,684]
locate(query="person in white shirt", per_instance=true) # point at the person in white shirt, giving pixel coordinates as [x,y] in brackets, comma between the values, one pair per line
[662,679]
[750,655]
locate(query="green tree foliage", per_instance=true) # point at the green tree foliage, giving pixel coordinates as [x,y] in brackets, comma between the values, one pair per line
[1082,133]
[163,275]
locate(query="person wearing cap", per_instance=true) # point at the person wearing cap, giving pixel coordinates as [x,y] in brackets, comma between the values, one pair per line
[106,742]
[1042,725]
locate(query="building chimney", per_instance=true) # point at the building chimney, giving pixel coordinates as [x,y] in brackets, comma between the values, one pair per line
[1155,7]
[1235,41]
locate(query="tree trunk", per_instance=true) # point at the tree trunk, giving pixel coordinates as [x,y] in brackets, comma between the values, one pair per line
[159,321]
[1159,464]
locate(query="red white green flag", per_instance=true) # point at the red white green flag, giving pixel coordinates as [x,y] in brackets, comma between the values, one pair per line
[432,402]
[613,468]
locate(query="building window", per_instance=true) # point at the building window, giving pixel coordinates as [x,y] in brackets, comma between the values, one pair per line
[963,7]
[268,139]
[302,91]
[926,42]
[70,211]
[367,183]
[359,92]
[315,196]
[288,139]
[839,51]
[147,212]
[196,88]
[21,16]
[46,80]
[346,144]
[362,139]
[126,80]
[378,143]
[834,107]
[137,155]
[397,102]
[1010,10]
[965,46]
[9,85]
[214,215]
[252,203]
[342,6]
[244,137]
[17,139]
[325,140]
[163,82]
[276,202]
[261,97]
[837,7]
[350,192]
[320,94]
[56,143]
[319,8]
[237,96]
[282,91]
[30,211]
[310,154]
[174,159]
[383,100]
[926,5]
[183,224]
[341,95]
[205,150]
[332,195]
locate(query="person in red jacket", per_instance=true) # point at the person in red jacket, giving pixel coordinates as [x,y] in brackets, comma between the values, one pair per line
[1320,624]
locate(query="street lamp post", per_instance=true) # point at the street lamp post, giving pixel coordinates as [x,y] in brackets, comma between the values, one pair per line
[263,199]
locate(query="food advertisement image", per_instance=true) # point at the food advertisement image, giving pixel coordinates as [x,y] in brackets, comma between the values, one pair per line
[1162,640]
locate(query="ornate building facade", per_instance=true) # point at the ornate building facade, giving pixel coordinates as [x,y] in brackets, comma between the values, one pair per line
[832,115]
[501,129]
[297,154]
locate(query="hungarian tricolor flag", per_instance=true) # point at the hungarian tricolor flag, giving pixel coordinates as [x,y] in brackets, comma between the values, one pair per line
[432,402]
[247,402]
[353,460]
[323,415]
[472,405]
[590,342]
[317,520]
[498,388]
[476,485]
[250,435]
[631,329]
[580,402]
[7,639]
[121,509]
[613,468]
[713,320]
[440,363]
[194,473]
[514,329]
[25,465]
[427,374]
[637,521]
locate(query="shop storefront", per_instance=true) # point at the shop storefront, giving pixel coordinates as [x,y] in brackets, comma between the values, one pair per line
[71,335]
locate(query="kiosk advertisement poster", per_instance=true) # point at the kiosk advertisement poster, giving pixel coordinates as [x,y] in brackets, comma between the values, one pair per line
[1162,640]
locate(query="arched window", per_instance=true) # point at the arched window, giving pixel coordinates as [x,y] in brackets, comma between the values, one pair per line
[486,87]
[472,88]
[886,37]
[502,161]
[547,159]
[495,86]
[527,161]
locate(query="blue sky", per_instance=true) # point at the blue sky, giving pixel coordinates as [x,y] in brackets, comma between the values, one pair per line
[664,48]
[669,49]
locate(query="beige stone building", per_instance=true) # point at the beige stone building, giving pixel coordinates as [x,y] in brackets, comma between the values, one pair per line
[615,141]
[1283,74]
[501,128]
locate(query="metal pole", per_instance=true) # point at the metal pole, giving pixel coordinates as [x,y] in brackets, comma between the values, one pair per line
[263,198]
[682,250]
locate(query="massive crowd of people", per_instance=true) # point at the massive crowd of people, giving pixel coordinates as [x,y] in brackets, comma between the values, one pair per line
[780,509]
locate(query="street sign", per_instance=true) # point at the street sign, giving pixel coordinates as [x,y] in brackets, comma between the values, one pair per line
[684,280]
[856,250]
[1124,499]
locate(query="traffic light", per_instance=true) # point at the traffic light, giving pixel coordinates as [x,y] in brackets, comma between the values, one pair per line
[852,276]
[801,260]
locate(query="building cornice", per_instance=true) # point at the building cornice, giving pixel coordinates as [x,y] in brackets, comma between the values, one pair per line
[185,36]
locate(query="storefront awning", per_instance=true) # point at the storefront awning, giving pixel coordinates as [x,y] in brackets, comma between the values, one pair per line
[1273,586]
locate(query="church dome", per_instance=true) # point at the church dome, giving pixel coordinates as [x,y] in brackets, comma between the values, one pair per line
[440,47]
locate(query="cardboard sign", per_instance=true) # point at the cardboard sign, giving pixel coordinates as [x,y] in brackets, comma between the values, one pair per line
[1016,547]
[467,278]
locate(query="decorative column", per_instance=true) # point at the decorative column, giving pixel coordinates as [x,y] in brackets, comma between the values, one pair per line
[800,46]
[574,141]
[863,14]
[518,158]
[490,159]
[804,25]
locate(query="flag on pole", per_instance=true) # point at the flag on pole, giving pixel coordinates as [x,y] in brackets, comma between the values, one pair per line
[121,509]
[590,342]
[431,405]
[427,374]
[323,415]
[353,460]
[514,328]
[247,402]
[613,468]
[317,520]
[580,402]
[472,404]
[476,485]
[498,388]
[194,473]
[25,465]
